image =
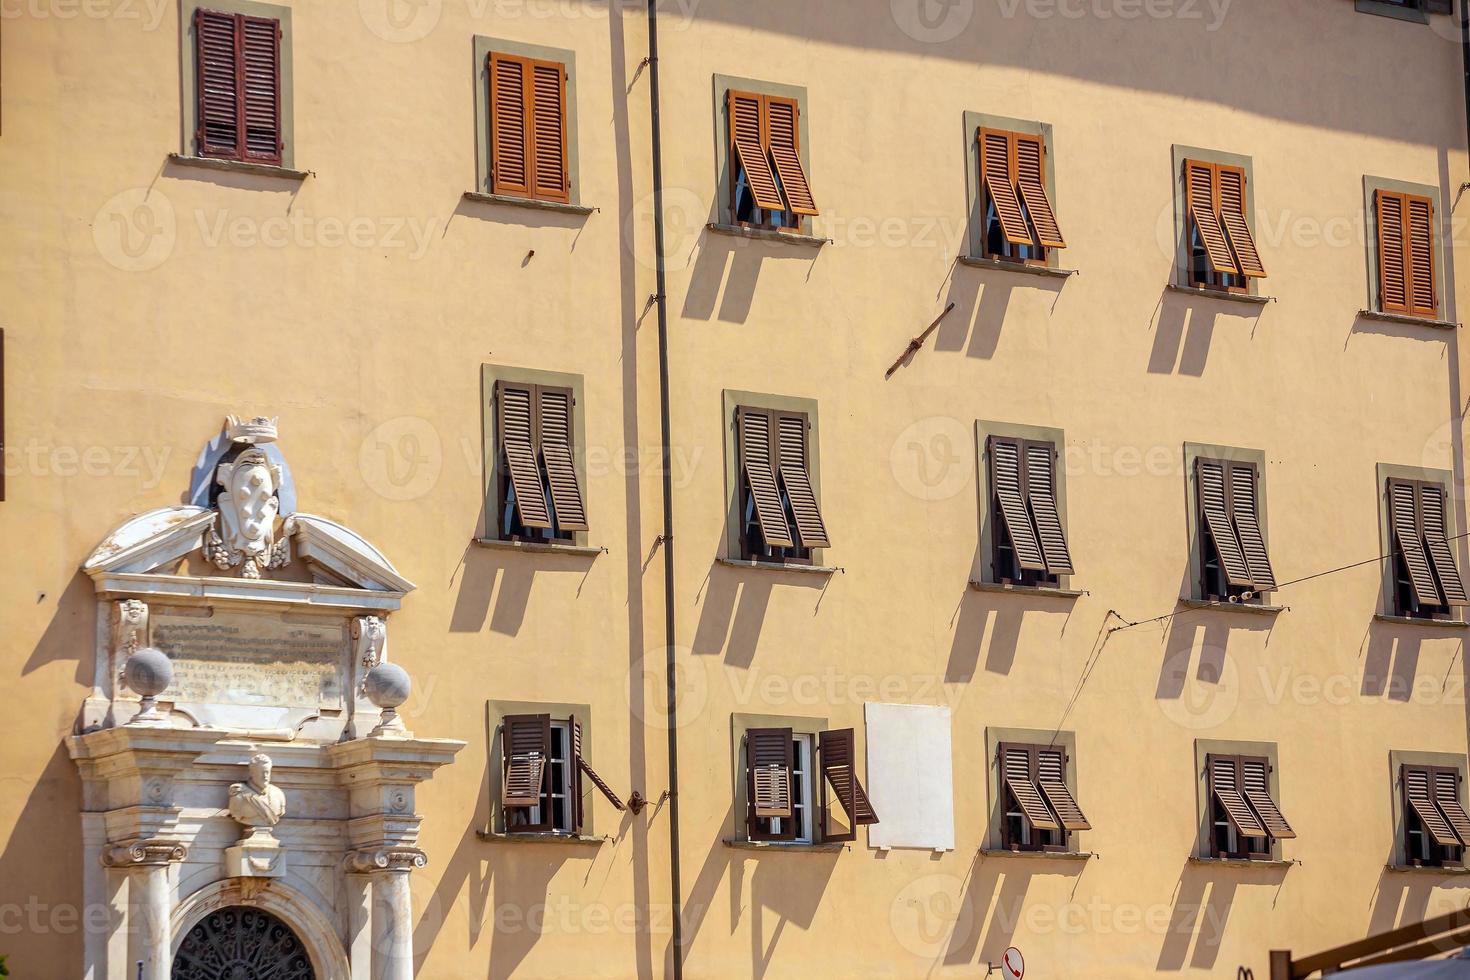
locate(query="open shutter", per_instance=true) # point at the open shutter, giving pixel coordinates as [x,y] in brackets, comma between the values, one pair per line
[1006,477]
[1225,787]
[1232,216]
[1015,763]
[1403,515]
[510,153]
[753,427]
[216,84]
[997,174]
[1393,269]
[517,409]
[1257,789]
[1437,546]
[1420,257]
[1031,182]
[260,74]
[555,414]
[549,180]
[574,774]
[1199,198]
[770,758]
[1051,777]
[1419,793]
[839,767]
[1447,796]
[581,767]
[1245,509]
[1215,512]
[747,121]
[785,142]
[525,745]
[791,439]
[1041,493]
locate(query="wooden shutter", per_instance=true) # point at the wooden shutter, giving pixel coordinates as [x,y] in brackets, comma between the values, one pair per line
[1225,787]
[1406,521]
[785,144]
[998,176]
[516,403]
[1215,514]
[1017,771]
[1256,787]
[554,418]
[1245,509]
[260,74]
[1232,216]
[525,745]
[1437,546]
[1393,268]
[1447,795]
[1031,182]
[1042,495]
[748,125]
[1420,257]
[581,767]
[574,774]
[1201,181]
[769,759]
[549,174]
[794,465]
[216,84]
[1051,777]
[510,103]
[757,455]
[1006,483]
[1420,793]
[839,767]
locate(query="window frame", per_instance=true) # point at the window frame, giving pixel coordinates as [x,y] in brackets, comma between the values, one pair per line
[1403,816]
[1235,455]
[1204,797]
[974,122]
[989,517]
[493,470]
[1390,604]
[1184,276]
[733,401]
[801,726]
[1418,13]
[725,162]
[189,79]
[495,713]
[483,47]
[1371,186]
[997,834]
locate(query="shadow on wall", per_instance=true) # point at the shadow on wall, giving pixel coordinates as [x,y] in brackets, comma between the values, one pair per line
[514,572]
[1184,328]
[1402,899]
[996,885]
[981,299]
[734,607]
[733,263]
[1391,660]
[1202,902]
[43,884]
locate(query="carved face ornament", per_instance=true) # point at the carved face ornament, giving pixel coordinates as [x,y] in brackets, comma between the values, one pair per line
[247,508]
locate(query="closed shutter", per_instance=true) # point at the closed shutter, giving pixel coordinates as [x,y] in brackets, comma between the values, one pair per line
[1232,216]
[1215,513]
[839,767]
[1257,789]
[757,456]
[1420,254]
[1031,182]
[1245,508]
[748,128]
[1407,523]
[516,404]
[1006,483]
[525,745]
[216,84]
[260,72]
[1393,269]
[1447,796]
[581,767]
[1041,493]
[769,759]
[1051,777]
[550,181]
[1225,787]
[785,143]
[1200,183]
[998,174]
[554,415]
[794,462]
[1437,546]
[1017,771]
[510,101]
[1419,793]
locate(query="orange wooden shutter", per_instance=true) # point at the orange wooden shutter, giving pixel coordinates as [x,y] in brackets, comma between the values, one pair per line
[794,462]
[785,144]
[1419,793]
[525,745]
[1437,546]
[1232,216]
[1031,182]
[554,415]
[998,175]
[550,181]
[1215,512]
[757,456]
[748,125]
[1006,479]
[1225,787]
[1201,181]
[1407,523]
[1041,493]
[1256,786]
[1447,796]
[1393,269]
[838,758]
[1245,509]
[1017,771]
[1051,777]
[510,101]
[517,410]
[1420,257]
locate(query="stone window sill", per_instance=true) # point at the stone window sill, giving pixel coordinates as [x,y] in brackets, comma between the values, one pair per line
[237,166]
[1021,268]
[533,548]
[1406,320]
[1443,624]
[573,840]
[1036,590]
[781,845]
[1241,863]
[1039,855]
[526,202]
[1249,608]
[1229,297]
[1410,869]
[771,566]
[767,235]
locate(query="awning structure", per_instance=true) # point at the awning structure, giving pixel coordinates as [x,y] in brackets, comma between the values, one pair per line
[1394,955]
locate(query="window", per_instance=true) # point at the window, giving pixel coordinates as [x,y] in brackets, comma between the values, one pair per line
[779,518]
[542,768]
[1426,581]
[1029,545]
[1244,819]
[1234,565]
[1416,11]
[768,181]
[788,778]
[238,68]
[528,128]
[1436,827]
[1018,223]
[1220,251]
[1038,812]
[536,490]
[1406,261]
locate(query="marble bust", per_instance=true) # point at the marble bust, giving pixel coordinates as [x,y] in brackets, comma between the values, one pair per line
[257,803]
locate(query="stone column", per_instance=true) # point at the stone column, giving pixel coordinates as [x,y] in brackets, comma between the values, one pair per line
[391,922]
[150,903]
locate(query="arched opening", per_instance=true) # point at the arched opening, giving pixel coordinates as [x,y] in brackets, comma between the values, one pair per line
[240,942]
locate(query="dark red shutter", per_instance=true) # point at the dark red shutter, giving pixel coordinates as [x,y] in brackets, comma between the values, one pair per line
[216,84]
[260,73]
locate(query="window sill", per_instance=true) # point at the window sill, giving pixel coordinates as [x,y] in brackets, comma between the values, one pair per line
[767,235]
[1039,855]
[531,547]
[1242,863]
[527,202]
[574,840]
[237,166]
[1410,869]
[1046,271]
[1407,320]
[771,566]
[1036,590]
[781,845]
[1229,297]
[1240,607]
[1443,624]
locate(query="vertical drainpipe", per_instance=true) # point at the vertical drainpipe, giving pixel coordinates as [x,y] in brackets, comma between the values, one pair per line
[670,666]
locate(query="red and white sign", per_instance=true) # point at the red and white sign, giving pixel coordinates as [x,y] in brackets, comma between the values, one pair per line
[1013,964]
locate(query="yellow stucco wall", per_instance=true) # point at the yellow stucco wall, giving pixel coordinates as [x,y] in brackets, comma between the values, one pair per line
[143,301]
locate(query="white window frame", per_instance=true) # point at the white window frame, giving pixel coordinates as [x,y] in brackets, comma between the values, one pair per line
[802,784]
[559,770]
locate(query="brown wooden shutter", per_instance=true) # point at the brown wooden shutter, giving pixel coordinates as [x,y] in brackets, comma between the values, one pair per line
[1006,476]
[1215,512]
[510,104]
[838,757]
[1051,777]
[1245,508]
[550,180]
[260,73]
[517,409]
[216,84]
[770,757]
[1232,216]
[581,767]
[1200,183]
[1018,772]
[785,143]
[748,126]
[574,774]
[1420,254]
[1041,493]
[757,454]
[1393,268]
[1420,792]
[554,415]
[525,745]
[1031,182]
[794,464]
[1225,787]
[1256,787]
[998,175]
[1437,546]
[1447,795]
[1406,521]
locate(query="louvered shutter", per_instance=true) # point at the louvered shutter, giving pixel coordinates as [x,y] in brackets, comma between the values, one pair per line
[1051,777]
[554,415]
[1422,301]
[1016,770]
[997,174]
[574,774]
[510,102]
[525,746]
[1419,792]
[216,84]
[1041,493]
[1031,182]
[1245,509]
[1215,512]
[1393,270]
[838,757]
[770,757]
[756,440]
[793,460]
[1404,516]
[785,143]
[517,410]
[1200,180]
[581,767]
[1232,216]
[1447,796]
[1225,787]
[550,181]
[1256,787]
[1006,483]
[260,72]
[747,121]
[1437,546]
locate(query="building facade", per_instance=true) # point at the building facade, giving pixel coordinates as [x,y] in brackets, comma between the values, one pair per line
[1017,514]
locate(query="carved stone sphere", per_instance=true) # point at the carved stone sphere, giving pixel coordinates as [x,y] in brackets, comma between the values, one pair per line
[387,685]
[148,672]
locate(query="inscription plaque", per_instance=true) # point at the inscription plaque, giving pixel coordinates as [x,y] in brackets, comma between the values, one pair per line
[251,659]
